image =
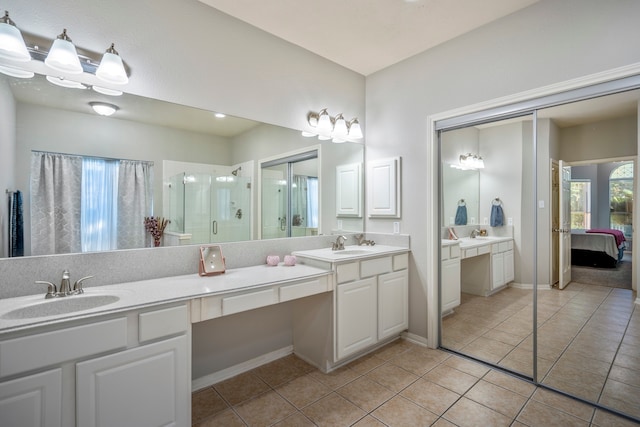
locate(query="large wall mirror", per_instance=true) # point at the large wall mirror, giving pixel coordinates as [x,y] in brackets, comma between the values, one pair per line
[205,168]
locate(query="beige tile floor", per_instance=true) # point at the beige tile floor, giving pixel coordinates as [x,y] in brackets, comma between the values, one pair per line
[402,384]
[588,339]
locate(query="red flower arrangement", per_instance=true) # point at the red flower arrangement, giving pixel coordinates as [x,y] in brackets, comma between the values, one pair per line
[155,226]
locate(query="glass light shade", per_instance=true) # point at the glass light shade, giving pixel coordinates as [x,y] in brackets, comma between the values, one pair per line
[324,123]
[65,83]
[111,69]
[16,72]
[355,132]
[105,91]
[338,140]
[324,137]
[12,44]
[308,134]
[63,56]
[103,108]
[340,130]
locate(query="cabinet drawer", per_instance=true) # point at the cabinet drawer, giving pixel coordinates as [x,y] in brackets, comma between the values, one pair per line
[210,307]
[373,267]
[162,323]
[468,253]
[400,262]
[503,246]
[52,348]
[347,272]
[454,251]
[484,249]
[301,290]
[445,253]
[238,303]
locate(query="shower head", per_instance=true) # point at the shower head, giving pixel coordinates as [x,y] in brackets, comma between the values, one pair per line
[235,172]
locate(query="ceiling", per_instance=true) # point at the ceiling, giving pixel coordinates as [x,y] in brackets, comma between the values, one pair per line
[364,35]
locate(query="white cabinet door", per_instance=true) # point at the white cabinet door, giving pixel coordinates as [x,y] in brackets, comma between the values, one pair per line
[349,190]
[450,291]
[393,303]
[509,273]
[497,270]
[144,386]
[33,401]
[356,315]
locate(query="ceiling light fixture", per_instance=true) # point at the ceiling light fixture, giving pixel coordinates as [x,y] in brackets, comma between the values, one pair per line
[103,108]
[335,128]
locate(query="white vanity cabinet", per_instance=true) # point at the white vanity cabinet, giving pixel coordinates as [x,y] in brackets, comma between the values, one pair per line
[130,368]
[450,289]
[356,316]
[502,264]
[370,306]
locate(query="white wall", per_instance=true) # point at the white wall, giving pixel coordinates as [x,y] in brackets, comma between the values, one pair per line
[547,43]
[605,139]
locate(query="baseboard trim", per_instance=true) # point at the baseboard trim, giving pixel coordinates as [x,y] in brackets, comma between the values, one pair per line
[232,371]
[541,286]
[416,339]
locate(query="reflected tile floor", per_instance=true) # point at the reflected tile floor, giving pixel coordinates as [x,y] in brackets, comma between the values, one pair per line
[588,339]
[401,384]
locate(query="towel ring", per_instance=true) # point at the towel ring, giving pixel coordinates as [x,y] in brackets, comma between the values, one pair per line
[496,202]
[461,202]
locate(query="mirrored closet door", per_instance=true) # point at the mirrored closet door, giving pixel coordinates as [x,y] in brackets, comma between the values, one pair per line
[566,314]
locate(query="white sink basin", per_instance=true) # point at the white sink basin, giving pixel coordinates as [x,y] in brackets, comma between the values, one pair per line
[351,252]
[61,305]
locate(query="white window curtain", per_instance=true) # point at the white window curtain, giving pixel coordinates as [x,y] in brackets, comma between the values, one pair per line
[56,181]
[299,200]
[313,199]
[135,202]
[99,218]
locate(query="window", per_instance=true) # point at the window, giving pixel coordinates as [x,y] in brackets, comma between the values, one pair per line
[621,198]
[580,204]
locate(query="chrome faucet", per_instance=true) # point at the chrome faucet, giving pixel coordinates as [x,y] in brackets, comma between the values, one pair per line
[65,286]
[474,234]
[338,245]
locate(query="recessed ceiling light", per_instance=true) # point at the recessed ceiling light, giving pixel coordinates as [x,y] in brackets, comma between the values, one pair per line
[220,115]
[103,108]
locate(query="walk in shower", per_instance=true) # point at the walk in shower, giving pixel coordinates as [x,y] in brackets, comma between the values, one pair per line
[211,208]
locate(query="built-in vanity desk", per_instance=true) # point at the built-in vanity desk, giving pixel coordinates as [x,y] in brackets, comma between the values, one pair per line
[368,308]
[487,264]
[121,354]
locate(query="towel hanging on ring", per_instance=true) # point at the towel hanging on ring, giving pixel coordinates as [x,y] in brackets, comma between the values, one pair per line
[497,214]
[461,213]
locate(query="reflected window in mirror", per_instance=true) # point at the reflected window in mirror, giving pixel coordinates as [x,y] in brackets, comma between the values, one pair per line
[87,204]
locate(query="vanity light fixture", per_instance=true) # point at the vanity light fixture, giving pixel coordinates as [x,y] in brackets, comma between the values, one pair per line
[103,108]
[111,69]
[63,56]
[70,84]
[335,128]
[471,161]
[12,45]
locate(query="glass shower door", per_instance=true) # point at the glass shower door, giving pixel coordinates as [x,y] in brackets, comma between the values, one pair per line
[230,209]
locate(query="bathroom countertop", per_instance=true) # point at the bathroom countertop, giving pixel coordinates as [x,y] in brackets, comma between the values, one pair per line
[134,295]
[350,253]
[468,242]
